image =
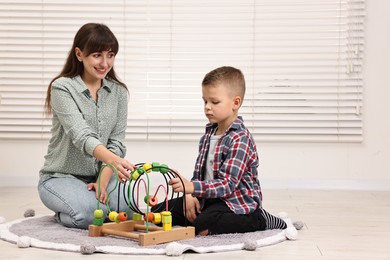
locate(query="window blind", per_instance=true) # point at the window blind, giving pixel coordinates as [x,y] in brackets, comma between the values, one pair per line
[302,60]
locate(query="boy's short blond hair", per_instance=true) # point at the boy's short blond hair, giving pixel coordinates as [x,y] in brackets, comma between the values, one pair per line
[231,77]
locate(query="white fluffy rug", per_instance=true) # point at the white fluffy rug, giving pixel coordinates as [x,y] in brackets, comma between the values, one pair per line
[43,232]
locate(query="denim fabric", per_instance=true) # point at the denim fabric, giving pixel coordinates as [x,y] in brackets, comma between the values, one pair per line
[73,203]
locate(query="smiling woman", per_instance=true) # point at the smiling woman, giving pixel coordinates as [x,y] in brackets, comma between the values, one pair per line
[96,66]
[92,57]
[89,107]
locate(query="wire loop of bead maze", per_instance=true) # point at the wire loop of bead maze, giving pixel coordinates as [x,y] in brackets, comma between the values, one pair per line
[138,228]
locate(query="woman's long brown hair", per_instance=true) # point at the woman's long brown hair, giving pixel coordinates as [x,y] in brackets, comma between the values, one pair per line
[90,38]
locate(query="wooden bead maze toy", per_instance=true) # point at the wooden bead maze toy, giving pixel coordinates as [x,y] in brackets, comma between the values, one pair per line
[139,227]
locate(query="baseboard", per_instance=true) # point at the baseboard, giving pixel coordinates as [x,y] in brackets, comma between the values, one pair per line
[374,185]
[19,181]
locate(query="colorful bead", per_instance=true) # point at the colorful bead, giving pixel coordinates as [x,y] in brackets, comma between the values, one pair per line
[98,213]
[166,220]
[135,175]
[116,219]
[122,216]
[167,226]
[166,214]
[150,217]
[155,166]
[137,216]
[164,168]
[146,198]
[152,201]
[156,218]
[98,221]
[113,215]
[147,167]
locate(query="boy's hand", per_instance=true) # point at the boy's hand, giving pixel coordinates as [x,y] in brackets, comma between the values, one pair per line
[103,192]
[192,208]
[177,185]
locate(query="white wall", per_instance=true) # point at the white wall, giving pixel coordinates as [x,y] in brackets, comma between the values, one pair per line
[283,165]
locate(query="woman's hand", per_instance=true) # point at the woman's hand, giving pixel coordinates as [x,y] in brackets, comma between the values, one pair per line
[192,208]
[103,192]
[124,168]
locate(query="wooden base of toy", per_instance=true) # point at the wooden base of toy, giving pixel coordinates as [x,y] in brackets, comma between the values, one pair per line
[135,229]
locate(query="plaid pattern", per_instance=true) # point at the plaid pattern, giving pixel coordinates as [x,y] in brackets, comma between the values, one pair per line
[235,169]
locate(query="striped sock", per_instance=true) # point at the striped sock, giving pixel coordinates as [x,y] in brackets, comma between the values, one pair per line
[273,222]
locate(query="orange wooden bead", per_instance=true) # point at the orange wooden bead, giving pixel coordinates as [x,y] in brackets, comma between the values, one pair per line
[122,216]
[150,217]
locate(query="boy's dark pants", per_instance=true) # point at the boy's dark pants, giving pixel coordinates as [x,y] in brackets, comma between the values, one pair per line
[216,217]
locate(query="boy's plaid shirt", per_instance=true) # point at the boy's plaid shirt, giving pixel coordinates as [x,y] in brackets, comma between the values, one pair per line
[235,169]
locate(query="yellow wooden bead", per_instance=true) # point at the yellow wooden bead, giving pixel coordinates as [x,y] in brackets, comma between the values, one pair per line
[113,215]
[167,227]
[147,167]
[157,218]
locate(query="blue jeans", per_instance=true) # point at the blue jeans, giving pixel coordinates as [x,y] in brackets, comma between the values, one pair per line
[74,204]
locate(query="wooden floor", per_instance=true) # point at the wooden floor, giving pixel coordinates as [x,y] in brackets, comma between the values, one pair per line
[348,225]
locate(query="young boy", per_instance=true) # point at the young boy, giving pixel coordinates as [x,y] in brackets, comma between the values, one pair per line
[224,194]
